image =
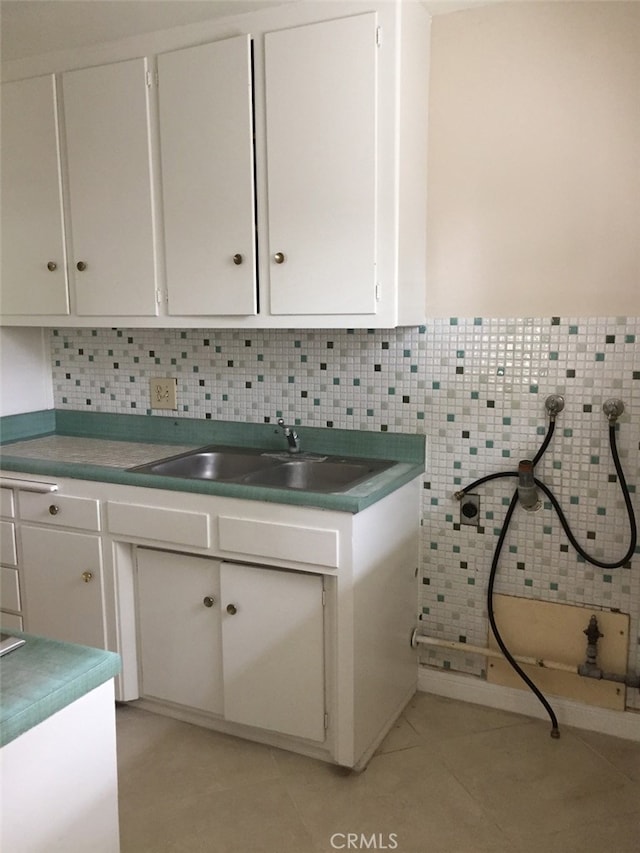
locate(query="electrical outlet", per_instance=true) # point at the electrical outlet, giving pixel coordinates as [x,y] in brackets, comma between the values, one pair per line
[164,393]
[470,510]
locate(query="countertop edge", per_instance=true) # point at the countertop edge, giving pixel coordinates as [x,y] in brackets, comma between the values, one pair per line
[354,502]
[96,666]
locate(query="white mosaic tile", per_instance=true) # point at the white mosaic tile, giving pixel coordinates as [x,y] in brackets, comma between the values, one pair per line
[475,386]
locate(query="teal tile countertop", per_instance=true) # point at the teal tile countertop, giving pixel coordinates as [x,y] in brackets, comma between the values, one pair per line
[96,446]
[44,676]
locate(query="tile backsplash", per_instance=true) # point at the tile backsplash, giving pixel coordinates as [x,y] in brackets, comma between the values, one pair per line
[474,386]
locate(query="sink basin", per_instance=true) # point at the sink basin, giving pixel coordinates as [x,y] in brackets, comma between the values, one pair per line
[271,470]
[325,476]
[208,465]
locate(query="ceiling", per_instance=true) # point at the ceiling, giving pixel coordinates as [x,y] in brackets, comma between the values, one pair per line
[32,27]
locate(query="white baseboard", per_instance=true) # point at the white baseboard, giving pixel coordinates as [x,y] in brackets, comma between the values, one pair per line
[470,688]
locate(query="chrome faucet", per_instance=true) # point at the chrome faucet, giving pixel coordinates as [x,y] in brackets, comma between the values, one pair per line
[291,435]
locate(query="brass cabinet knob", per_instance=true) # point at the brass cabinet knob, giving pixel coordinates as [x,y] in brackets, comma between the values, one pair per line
[279,257]
[208,601]
[238,259]
[232,609]
[52,266]
[81,266]
[54,510]
[87,576]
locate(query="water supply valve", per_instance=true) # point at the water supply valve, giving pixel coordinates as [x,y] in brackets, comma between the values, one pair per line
[554,404]
[613,408]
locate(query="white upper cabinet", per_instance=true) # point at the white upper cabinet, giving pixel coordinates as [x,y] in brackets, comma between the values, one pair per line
[106,115]
[206,145]
[321,113]
[274,177]
[34,272]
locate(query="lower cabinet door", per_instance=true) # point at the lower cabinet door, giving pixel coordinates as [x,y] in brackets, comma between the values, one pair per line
[63,585]
[179,629]
[273,649]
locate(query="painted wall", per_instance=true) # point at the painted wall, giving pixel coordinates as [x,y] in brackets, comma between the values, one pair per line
[25,371]
[534,160]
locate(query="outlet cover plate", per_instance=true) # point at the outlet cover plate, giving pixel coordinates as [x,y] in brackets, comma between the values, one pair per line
[163,393]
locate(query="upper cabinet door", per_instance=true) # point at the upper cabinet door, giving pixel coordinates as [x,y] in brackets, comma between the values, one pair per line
[106,113]
[34,274]
[206,142]
[321,94]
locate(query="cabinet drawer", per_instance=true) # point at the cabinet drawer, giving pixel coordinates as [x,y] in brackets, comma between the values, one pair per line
[172,526]
[315,545]
[60,510]
[8,554]
[9,589]
[6,503]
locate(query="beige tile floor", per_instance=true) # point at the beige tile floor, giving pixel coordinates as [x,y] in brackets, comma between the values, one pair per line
[449,778]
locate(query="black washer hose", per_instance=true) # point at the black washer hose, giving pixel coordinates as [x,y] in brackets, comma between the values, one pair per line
[555,732]
[627,499]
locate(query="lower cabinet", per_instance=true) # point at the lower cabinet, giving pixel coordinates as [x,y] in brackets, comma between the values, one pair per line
[62,574]
[244,642]
[273,649]
[288,625]
[179,629]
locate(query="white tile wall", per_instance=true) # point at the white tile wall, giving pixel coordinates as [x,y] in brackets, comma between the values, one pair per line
[475,386]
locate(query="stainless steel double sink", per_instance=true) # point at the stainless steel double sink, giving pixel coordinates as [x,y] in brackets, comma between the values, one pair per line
[305,471]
